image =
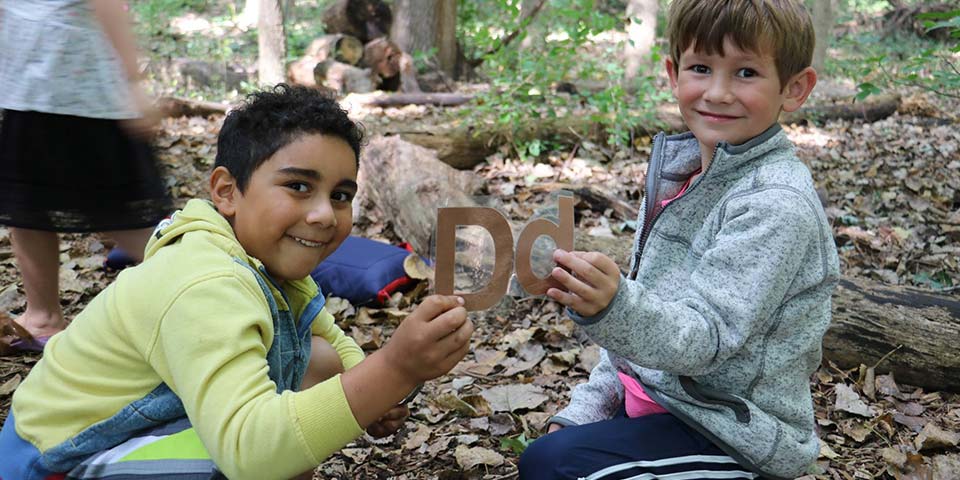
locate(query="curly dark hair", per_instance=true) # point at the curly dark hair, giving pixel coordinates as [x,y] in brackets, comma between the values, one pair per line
[272,119]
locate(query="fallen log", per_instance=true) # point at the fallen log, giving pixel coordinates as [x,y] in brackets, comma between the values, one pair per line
[869,110]
[180,107]
[596,199]
[466,146]
[908,332]
[394,68]
[340,47]
[408,183]
[343,78]
[381,99]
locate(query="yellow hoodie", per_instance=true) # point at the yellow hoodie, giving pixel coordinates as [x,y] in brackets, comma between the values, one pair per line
[193,318]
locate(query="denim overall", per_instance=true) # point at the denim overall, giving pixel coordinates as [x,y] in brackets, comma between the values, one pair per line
[288,357]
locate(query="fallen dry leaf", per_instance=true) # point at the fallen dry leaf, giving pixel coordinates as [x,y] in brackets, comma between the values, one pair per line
[469,457]
[510,398]
[849,401]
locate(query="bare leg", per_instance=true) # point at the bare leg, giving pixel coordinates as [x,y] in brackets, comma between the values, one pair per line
[324,363]
[131,241]
[38,256]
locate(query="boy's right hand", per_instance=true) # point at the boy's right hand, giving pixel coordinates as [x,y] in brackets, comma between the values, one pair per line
[431,340]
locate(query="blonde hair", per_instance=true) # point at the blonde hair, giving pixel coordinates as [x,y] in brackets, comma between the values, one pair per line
[780,28]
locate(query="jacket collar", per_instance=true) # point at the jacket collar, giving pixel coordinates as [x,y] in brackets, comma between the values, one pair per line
[679,156]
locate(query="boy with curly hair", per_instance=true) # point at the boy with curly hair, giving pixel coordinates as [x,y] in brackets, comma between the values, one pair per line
[710,341]
[215,356]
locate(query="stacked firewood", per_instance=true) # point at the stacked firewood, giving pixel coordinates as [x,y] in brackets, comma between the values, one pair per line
[356,55]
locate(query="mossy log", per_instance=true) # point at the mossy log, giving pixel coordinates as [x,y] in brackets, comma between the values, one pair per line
[464,147]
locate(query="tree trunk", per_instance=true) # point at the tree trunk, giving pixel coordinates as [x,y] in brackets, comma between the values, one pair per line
[414,25]
[823,16]
[641,33]
[272,43]
[422,26]
[363,19]
[446,37]
[249,15]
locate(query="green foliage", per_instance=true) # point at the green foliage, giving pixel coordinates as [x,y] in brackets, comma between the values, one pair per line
[887,62]
[561,50]
[515,444]
[153,16]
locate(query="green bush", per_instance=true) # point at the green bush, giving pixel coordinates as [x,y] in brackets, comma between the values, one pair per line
[523,81]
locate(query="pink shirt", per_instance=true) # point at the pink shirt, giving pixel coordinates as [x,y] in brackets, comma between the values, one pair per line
[635,398]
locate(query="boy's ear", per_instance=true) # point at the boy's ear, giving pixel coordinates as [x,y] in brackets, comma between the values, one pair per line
[672,72]
[798,88]
[224,191]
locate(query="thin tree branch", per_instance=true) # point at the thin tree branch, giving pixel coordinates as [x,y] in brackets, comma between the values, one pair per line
[524,22]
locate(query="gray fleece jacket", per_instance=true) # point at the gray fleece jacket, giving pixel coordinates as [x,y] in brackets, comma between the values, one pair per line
[728,297]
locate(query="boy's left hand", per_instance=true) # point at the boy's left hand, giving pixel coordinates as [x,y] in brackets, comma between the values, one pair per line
[390,422]
[591,282]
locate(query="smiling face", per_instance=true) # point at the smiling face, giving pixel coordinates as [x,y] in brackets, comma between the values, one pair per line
[733,97]
[296,209]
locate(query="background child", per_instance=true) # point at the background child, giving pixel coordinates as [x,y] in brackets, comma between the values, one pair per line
[191,362]
[710,341]
[74,151]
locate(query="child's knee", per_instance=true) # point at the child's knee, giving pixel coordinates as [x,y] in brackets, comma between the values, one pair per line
[539,458]
[324,363]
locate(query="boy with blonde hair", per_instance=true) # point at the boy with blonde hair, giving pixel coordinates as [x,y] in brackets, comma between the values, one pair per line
[710,340]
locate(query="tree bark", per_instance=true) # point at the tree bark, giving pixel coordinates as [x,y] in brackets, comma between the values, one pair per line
[641,33]
[823,16]
[908,332]
[363,19]
[408,183]
[380,99]
[414,25]
[343,78]
[339,47]
[446,37]
[272,43]
[423,26]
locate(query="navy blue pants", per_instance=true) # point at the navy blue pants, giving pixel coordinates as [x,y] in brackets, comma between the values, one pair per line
[651,447]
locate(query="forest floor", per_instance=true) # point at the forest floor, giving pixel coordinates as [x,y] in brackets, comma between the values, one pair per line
[892,194]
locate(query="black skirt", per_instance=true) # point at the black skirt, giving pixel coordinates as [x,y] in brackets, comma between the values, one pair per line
[74,174]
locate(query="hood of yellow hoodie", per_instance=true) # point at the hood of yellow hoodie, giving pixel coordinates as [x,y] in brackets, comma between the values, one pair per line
[202,215]
[197,215]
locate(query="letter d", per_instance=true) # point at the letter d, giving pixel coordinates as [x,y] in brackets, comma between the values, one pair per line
[448,219]
[561,234]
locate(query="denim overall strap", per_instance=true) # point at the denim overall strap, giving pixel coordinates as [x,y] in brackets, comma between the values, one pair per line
[156,408]
[289,353]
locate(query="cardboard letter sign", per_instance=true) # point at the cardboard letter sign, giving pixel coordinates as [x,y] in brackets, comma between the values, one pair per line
[448,219]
